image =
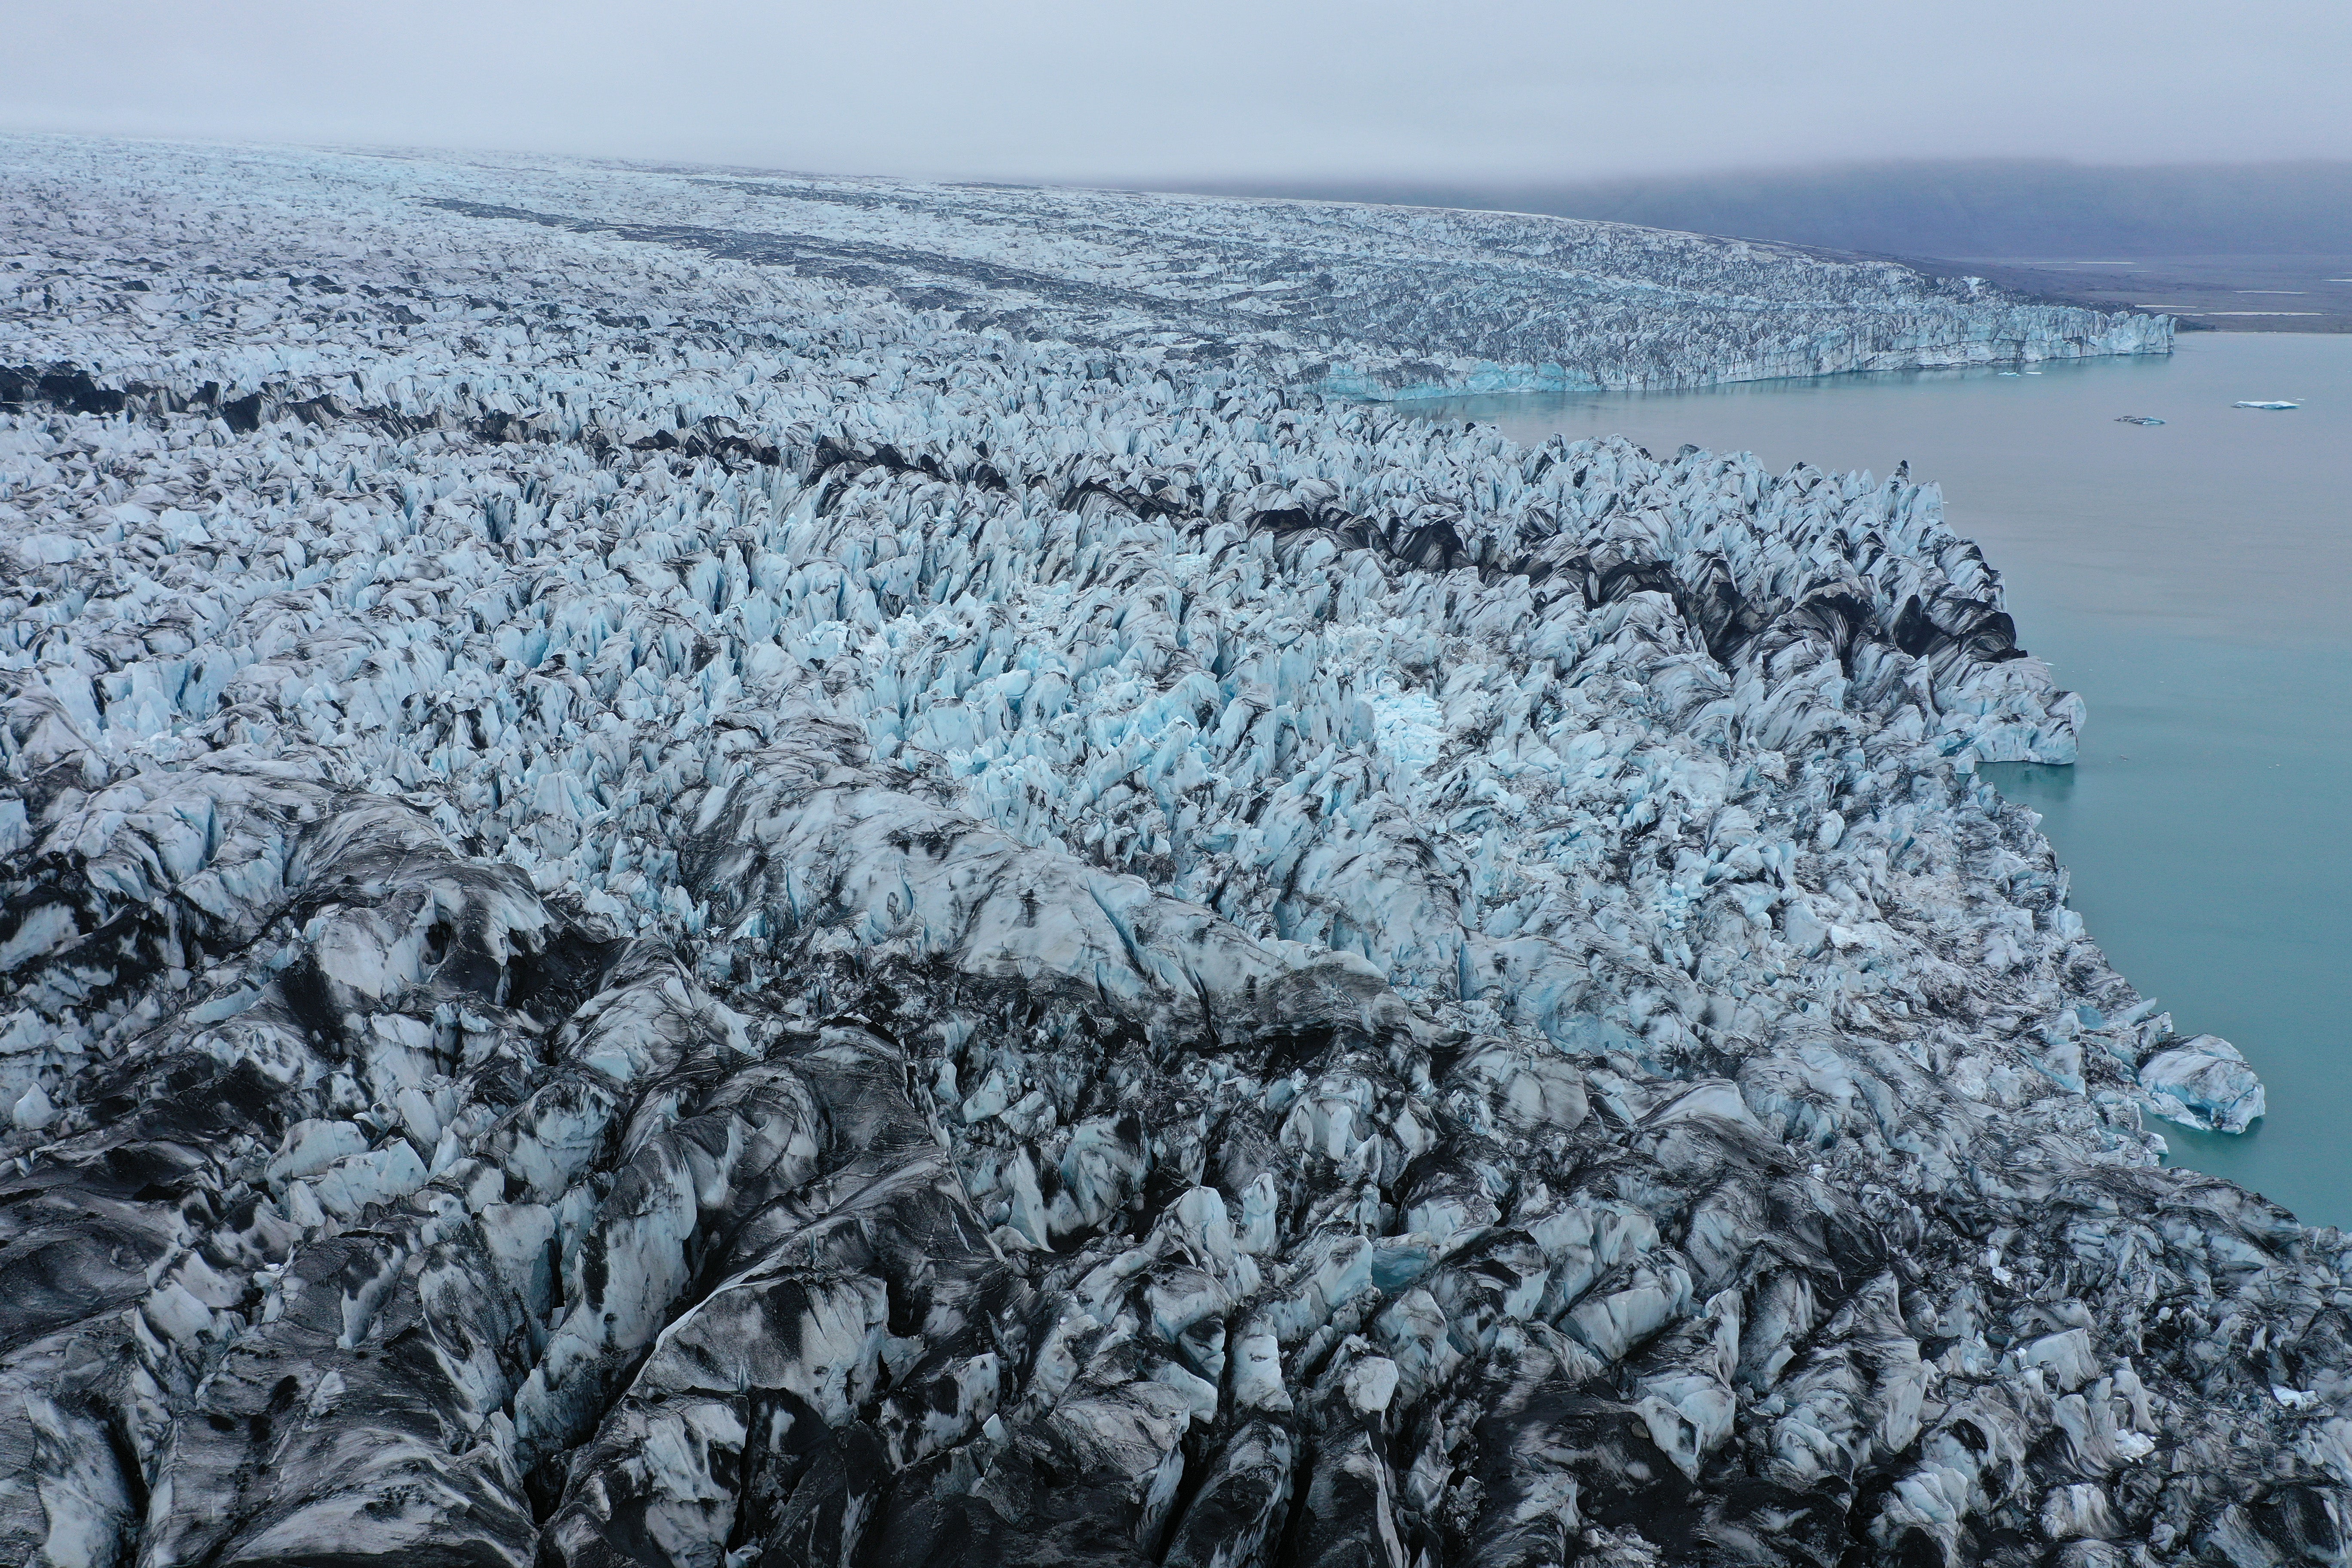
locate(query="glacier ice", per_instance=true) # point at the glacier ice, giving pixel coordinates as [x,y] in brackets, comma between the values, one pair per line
[725,870]
[2203,1082]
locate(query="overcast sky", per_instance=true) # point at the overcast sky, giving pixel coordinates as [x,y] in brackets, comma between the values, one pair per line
[1208,89]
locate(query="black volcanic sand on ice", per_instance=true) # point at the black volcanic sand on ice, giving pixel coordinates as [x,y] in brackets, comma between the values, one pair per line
[731,873]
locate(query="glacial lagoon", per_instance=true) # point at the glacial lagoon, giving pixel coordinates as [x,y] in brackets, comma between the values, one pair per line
[2193,580]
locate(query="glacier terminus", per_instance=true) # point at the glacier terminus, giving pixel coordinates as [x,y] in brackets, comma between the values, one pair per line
[708,869]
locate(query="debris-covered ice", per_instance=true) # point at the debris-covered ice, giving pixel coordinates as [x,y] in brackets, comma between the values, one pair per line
[748,871]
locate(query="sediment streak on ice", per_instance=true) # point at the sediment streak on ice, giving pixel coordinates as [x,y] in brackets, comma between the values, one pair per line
[691,902]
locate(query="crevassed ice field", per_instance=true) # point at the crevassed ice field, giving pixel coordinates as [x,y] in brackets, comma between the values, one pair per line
[737,869]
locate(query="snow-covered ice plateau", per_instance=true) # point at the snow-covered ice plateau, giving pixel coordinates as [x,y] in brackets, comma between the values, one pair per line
[725,870]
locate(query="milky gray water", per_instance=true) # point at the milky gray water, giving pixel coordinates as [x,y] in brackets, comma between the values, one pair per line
[2194,582]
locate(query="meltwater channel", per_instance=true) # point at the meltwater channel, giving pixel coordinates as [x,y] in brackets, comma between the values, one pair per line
[2193,580]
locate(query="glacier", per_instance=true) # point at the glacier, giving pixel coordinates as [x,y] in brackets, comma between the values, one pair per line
[725,869]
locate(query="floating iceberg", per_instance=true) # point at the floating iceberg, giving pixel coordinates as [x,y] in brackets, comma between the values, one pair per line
[2203,1082]
[2263,403]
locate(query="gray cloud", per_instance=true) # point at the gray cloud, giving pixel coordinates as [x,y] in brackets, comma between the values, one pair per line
[1204,89]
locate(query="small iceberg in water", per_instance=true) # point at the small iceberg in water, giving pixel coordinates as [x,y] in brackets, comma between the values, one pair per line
[2203,1082]
[2137,419]
[2265,403]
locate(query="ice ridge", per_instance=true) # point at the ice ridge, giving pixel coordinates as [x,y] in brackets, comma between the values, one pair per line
[664,907]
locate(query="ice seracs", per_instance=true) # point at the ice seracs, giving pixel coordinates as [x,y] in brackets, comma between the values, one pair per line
[774,871]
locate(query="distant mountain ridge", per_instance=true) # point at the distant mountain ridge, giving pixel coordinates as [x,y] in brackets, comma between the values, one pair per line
[1974,207]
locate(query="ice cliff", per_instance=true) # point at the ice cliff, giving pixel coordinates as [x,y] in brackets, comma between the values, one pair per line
[862,890]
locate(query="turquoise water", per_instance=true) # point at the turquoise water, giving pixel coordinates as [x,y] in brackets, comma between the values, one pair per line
[2194,582]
